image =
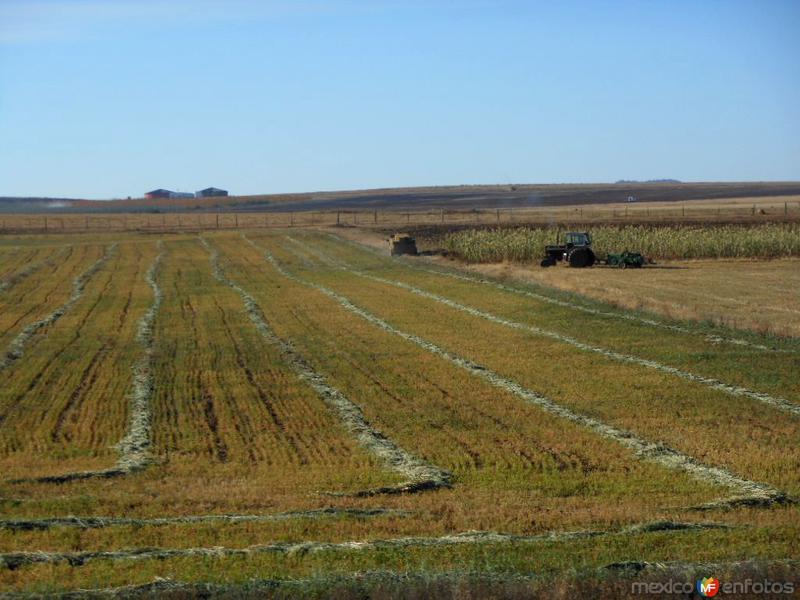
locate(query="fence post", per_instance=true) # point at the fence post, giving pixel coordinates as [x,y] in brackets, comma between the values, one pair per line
[498,214]
[375,217]
[785,209]
[683,210]
[337,217]
[442,215]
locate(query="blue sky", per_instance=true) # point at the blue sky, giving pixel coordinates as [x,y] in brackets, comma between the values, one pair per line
[110,99]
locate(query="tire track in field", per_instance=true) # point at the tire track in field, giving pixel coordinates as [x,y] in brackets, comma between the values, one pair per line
[745,492]
[76,334]
[15,560]
[263,397]
[716,384]
[87,380]
[474,456]
[15,278]
[442,271]
[17,346]
[421,475]
[34,306]
[210,416]
[101,522]
[134,447]
[91,373]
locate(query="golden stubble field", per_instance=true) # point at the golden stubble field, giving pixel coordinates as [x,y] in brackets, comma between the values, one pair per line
[290,405]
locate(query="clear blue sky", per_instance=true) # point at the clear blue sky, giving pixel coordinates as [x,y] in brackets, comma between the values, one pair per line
[110,99]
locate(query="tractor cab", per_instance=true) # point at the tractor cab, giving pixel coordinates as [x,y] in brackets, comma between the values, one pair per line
[575,239]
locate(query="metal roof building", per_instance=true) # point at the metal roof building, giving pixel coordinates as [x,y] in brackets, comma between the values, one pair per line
[211,192]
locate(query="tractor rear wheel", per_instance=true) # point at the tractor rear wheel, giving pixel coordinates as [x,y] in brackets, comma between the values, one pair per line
[581,257]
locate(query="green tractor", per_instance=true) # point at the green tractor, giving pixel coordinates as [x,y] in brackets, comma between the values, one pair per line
[626,259]
[575,251]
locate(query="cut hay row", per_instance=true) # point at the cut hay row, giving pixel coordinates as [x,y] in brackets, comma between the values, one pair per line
[745,492]
[16,348]
[133,448]
[101,522]
[15,278]
[734,390]
[15,560]
[716,339]
[452,583]
[421,475]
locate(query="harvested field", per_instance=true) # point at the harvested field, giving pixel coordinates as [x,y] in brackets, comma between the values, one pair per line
[760,296]
[281,406]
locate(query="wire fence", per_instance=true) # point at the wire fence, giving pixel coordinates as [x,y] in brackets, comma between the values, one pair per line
[201,221]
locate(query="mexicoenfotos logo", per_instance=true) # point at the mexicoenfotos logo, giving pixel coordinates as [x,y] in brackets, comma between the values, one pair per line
[708,587]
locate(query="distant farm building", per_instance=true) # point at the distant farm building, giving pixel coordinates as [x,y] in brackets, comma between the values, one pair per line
[211,192]
[162,193]
[159,193]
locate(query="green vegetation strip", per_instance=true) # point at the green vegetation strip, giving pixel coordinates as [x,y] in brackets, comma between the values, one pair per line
[746,492]
[133,448]
[421,475]
[14,560]
[101,522]
[441,271]
[524,244]
[16,348]
[734,390]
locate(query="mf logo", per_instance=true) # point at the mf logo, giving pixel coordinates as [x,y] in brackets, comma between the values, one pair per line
[707,587]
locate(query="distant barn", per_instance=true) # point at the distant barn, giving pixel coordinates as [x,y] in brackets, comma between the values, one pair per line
[159,193]
[211,192]
[162,193]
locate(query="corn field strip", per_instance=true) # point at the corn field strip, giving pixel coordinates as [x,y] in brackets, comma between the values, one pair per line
[16,348]
[714,339]
[14,560]
[746,492]
[134,447]
[776,402]
[421,475]
[15,278]
[101,522]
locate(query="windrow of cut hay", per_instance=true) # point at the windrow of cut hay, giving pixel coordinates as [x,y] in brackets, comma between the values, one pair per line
[15,560]
[421,476]
[526,244]
[779,403]
[745,492]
